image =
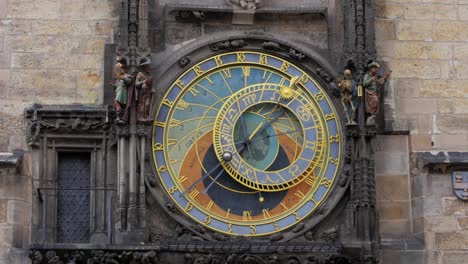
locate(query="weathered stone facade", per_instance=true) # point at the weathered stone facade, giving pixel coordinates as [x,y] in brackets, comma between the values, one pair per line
[52,52]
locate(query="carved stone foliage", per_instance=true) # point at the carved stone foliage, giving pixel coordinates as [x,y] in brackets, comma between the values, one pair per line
[245,4]
[94,257]
[71,119]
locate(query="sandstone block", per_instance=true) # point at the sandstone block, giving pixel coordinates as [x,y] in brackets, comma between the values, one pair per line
[391,143]
[415,69]
[451,141]
[446,12]
[460,51]
[451,240]
[419,11]
[89,61]
[89,80]
[461,69]
[3,210]
[451,123]
[418,105]
[394,228]
[15,27]
[4,60]
[438,224]
[463,223]
[408,87]
[391,163]
[385,48]
[432,206]
[453,206]
[443,88]
[393,210]
[1,43]
[456,257]
[89,9]
[43,80]
[17,212]
[95,45]
[411,50]
[384,30]
[392,188]
[103,28]
[462,12]
[424,123]
[414,30]
[440,51]
[37,9]
[461,105]
[61,27]
[450,31]
[388,10]
[421,142]
[3,8]
[444,106]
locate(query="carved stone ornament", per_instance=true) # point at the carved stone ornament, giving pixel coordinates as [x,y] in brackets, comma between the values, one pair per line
[245,4]
[228,44]
[460,184]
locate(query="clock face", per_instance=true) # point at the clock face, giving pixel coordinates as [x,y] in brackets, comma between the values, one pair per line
[246,143]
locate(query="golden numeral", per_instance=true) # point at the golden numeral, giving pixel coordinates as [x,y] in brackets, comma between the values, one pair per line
[276,226]
[285,208]
[230,228]
[334,138]
[207,219]
[310,144]
[194,193]
[333,161]
[299,194]
[161,124]
[325,182]
[319,96]
[218,60]
[182,179]
[181,84]
[284,67]
[171,141]
[228,212]
[246,71]
[158,146]
[174,123]
[172,190]
[329,117]
[188,207]
[173,161]
[240,57]
[194,91]
[162,169]
[198,70]
[297,216]
[247,215]
[303,79]
[266,213]
[311,180]
[253,229]
[263,59]
[167,102]
[182,105]
[226,73]
[210,205]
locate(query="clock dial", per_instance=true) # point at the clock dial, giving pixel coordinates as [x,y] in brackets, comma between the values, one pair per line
[246,143]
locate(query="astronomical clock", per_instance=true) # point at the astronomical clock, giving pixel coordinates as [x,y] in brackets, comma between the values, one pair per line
[247,143]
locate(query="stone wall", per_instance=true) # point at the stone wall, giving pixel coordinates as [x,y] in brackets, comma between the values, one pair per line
[51,52]
[15,208]
[425,44]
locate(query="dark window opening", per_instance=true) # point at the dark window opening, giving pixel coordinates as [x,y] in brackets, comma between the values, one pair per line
[73,197]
